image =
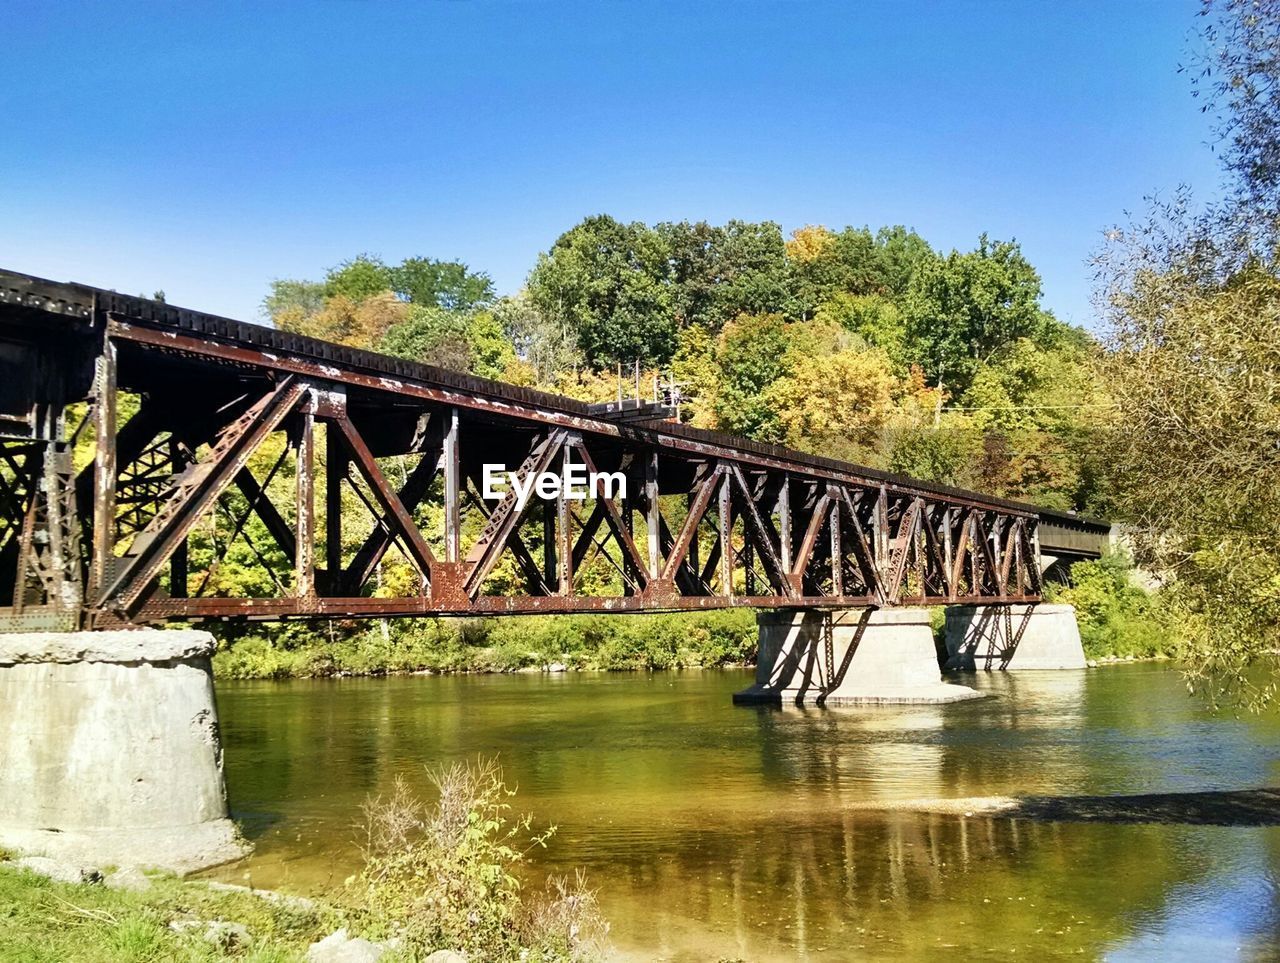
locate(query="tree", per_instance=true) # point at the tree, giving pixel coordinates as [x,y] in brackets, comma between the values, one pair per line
[606,281]
[433,336]
[1192,302]
[445,284]
[289,302]
[944,454]
[359,324]
[827,266]
[873,318]
[359,278]
[1195,456]
[901,254]
[491,352]
[752,271]
[1046,405]
[1239,74]
[812,260]
[1029,388]
[836,405]
[696,368]
[542,342]
[960,310]
[752,354]
[694,257]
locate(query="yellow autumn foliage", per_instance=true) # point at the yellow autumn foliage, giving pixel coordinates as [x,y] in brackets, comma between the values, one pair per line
[836,404]
[809,243]
[359,324]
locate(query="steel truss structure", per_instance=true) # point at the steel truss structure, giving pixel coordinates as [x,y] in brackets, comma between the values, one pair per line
[140,444]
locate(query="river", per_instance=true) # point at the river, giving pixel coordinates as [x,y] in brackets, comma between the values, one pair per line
[715,832]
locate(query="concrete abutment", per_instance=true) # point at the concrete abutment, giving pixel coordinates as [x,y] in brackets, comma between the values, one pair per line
[110,751]
[1013,637]
[850,657]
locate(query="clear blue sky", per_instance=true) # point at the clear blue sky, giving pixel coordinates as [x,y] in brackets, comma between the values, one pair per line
[205,148]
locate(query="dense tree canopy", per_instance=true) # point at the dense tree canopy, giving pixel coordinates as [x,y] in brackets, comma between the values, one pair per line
[962,309]
[868,345]
[446,284]
[626,290]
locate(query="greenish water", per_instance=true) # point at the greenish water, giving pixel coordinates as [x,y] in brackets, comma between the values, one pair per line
[713,831]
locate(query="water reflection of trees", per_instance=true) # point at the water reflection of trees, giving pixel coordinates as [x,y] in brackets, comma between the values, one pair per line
[889,885]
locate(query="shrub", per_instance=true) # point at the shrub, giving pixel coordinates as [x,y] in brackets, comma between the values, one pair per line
[445,876]
[614,642]
[1116,617]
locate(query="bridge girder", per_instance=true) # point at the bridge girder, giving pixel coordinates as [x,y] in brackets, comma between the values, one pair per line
[222,415]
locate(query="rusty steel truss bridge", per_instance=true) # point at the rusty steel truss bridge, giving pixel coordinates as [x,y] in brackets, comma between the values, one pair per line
[141,443]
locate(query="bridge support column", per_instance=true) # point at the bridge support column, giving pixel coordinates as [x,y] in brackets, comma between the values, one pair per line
[999,637]
[851,657]
[110,752]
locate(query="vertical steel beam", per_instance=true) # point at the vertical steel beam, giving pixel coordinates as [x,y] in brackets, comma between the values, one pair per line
[452,489]
[997,564]
[837,548]
[784,520]
[104,466]
[726,536]
[564,537]
[335,470]
[695,544]
[549,573]
[948,552]
[652,516]
[880,533]
[179,562]
[564,543]
[304,567]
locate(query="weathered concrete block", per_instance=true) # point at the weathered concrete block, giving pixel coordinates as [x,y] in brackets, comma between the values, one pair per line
[110,749]
[847,658]
[150,645]
[1012,637]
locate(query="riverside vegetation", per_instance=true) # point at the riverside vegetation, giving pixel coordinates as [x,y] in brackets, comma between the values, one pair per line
[508,644]
[445,875]
[1117,619]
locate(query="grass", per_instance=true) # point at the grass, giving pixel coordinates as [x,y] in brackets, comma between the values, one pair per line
[42,922]
[438,874]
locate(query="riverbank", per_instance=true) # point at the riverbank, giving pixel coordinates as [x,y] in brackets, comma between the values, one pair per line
[154,918]
[439,881]
[560,642]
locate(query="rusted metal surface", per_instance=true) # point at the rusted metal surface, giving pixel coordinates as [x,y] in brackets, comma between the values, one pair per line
[196,434]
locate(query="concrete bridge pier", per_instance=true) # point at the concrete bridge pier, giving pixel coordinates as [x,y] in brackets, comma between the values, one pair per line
[849,657]
[1012,637]
[110,752]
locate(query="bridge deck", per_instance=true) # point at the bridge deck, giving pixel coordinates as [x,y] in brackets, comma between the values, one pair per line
[709,519]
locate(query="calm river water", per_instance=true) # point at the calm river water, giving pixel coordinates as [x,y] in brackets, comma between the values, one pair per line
[720,832]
